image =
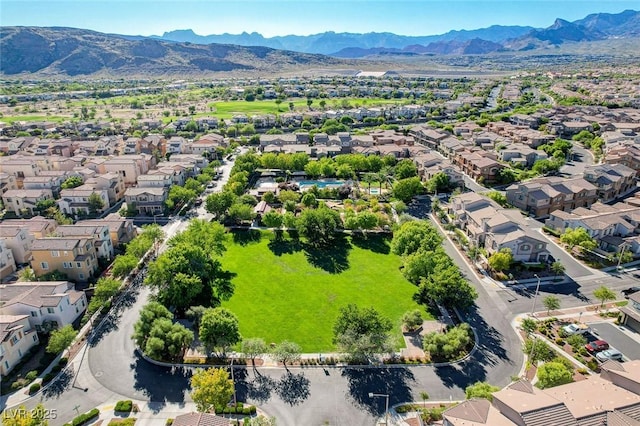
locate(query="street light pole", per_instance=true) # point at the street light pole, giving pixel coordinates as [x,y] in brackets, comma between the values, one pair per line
[233,379]
[535,296]
[624,246]
[386,405]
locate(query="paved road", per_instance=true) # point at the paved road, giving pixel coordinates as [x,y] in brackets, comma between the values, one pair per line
[581,158]
[335,396]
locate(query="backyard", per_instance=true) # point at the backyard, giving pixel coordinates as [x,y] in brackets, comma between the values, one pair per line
[288,290]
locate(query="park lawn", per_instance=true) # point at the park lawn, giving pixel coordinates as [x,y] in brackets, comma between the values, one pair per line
[285,297]
[13,118]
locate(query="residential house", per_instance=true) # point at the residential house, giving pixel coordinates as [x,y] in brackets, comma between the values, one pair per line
[121,229]
[539,197]
[132,146]
[578,403]
[147,201]
[7,182]
[630,314]
[18,240]
[627,155]
[490,226]
[197,162]
[74,257]
[178,145]
[37,226]
[130,166]
[200,419]
[99,233]
[49,304]
[615,227]
[208,145]
[155,180]
[21,201]
[520,154]
[612,180]
[113,183]
[478,165]
[20,167]
[76,201]
[428,136]
[17,338]
[7,261]
[42,181]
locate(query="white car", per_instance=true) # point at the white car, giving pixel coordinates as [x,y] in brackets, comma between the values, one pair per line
[576,329]
[609,354]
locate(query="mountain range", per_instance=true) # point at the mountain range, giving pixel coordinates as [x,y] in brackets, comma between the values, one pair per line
[77,52]
[599,26]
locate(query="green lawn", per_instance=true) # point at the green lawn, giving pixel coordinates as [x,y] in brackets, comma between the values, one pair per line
[285,292]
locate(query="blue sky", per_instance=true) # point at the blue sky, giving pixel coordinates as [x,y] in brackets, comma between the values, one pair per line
[302,17]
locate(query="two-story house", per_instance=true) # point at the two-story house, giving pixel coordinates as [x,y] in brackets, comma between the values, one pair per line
[53,183]
[612,180]
[74,257]
[17,338]
[49,304]
[7,182]
[113,183]
[21,201]
[18,240]
[99,233]
[7,261]
[77,201]
[121,229]
[147,201]
[631,313]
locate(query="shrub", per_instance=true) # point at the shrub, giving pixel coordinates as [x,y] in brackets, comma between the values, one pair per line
[124,406]
[169,422]
[31,375]
[56,368]
[63,361]
[122,422]
[582,371]
[34,388]
[559,341]
[592,364]
[48,377]
[84,418]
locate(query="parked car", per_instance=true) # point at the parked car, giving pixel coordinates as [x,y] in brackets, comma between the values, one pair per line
[629,291]
[198,202]
[596,346]
[609,354]
[576,329]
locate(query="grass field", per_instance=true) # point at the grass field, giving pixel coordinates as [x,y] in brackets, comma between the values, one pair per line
[286,291]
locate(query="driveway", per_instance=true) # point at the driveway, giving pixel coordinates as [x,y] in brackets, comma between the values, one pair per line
[617,338]
[580,158]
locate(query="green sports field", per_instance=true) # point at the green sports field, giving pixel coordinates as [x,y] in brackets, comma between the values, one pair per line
[285,291]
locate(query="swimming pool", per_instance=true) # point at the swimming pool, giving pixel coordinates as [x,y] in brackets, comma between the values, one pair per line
[306,184]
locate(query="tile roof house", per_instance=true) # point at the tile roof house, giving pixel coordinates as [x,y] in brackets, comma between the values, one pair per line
[47,303]
[17,337]
[147,201]
[72,256]
[18,240]
[7,261]
[612,180]
[121,229]
[200,419]
[19,201]
[539,197]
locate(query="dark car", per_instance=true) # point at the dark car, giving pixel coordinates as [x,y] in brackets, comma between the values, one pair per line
[596,346]
[629,291]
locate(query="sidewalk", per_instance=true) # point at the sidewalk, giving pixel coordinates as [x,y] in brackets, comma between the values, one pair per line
[150,414]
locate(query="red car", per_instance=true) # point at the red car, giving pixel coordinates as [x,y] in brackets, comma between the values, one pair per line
[596,346]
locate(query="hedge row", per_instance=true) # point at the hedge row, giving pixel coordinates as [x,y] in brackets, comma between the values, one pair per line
[124,406]
[84,418]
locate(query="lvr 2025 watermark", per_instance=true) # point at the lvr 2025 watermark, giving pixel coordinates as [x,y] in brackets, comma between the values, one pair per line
[39,413]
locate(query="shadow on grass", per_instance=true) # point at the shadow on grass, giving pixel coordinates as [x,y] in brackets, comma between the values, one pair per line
[246,237]
[375,242]
[334,258]
[280,245]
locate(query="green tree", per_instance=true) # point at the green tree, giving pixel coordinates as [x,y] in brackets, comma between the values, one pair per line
[272,219]
[261,420]
[412,320]
[104,290]
[446,286]
[480,390]
[179,196]
[551,302]
[578,237]
[286,352]
[537,350]
[405,169]
[557,268]
[61,339]
[309,200]
[168,340]
[438,182]
[576,341]
[72,182]
[96,203]
[219,329]
[287,195]
[219,203]
[501,260]
[239,213]
[43,205]
[27,274]
[448,346]
[148,315]
[413,236]
[319,225]
[604,294]
[211,388]
[253,348]
[553,374]
[362,332]
[123,264]
[209,236]
[22,416]
[529,325]
[406,189]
